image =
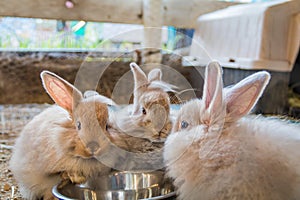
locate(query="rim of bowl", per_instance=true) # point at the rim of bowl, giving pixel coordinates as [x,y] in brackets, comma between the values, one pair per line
[58,195]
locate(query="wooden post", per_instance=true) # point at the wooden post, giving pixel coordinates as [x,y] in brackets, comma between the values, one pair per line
[153,22]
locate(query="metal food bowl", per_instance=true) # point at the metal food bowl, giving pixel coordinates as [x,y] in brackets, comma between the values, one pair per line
[119,186]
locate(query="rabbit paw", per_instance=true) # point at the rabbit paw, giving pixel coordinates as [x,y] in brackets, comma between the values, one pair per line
[74,177]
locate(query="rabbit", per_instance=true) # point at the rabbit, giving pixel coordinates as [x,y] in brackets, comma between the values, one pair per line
[60,143]
[217,151]
[148,116]
[137,132]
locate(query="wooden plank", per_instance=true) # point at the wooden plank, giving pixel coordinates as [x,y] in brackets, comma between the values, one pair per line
[117,11]
[184,14]
[153,21]
[178,13]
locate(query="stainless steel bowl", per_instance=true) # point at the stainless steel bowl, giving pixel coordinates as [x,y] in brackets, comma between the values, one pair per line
[119,186]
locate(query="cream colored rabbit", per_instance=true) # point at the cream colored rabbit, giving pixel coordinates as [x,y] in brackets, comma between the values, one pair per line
[216,152]
[61,142]
[149,115]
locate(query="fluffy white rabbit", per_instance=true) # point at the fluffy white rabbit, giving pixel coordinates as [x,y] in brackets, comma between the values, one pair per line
[61,142]
[216,152]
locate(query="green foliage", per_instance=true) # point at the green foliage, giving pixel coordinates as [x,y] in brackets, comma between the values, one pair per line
[62,40]
[24,43]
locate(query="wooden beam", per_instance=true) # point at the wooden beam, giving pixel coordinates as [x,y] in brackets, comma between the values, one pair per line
[153,22]
[178,13]
[184,14]
[117,11]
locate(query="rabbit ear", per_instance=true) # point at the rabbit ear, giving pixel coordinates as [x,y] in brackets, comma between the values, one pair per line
[154,75]
[140,78]
[62,92]
[242,97]
[213,86]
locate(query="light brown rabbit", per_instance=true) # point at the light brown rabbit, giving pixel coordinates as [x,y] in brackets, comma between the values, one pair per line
[148,117]
[61,142]
[216,152]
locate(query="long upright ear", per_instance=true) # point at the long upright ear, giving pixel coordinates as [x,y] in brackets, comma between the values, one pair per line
[61,91]
[213,86]
[242,97]
[154,75]
[140,80]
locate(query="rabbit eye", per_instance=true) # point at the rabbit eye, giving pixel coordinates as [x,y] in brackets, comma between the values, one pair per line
[78,125]
[184,124]
[144,111]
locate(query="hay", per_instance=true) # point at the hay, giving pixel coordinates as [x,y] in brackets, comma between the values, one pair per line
[12,119]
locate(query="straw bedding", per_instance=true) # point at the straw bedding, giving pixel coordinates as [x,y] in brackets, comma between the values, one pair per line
[12,119]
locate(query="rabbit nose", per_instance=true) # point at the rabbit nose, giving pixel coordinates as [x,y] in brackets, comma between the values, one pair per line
[93,147]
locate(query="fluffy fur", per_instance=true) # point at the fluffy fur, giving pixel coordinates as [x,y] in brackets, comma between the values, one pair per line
[216,152]
[137,132]
[54,146]
[148,117]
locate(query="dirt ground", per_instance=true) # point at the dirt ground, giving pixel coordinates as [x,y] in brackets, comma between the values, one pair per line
[12,120]
[9,189]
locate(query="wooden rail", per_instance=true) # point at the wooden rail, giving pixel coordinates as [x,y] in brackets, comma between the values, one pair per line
[178,13]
